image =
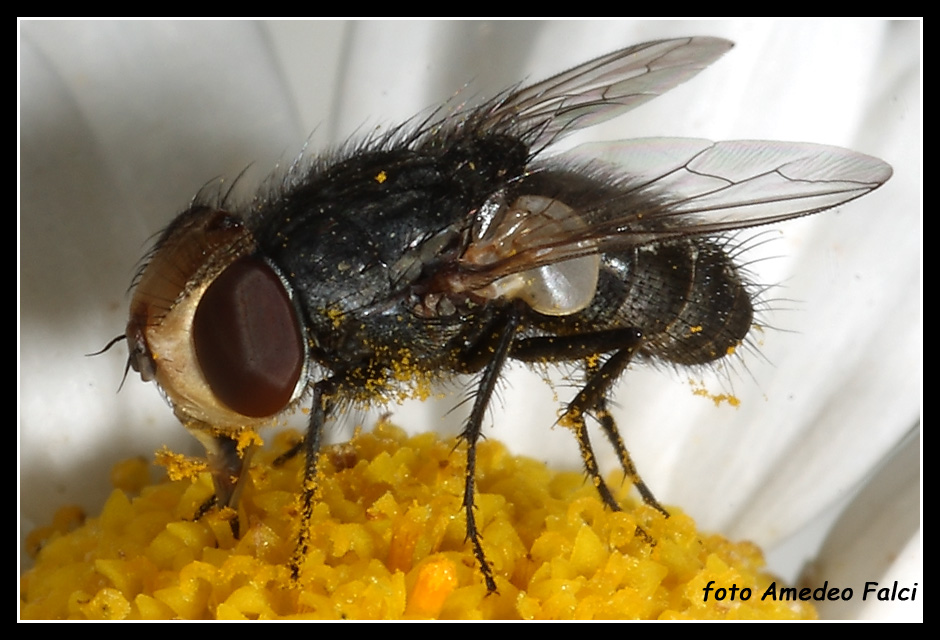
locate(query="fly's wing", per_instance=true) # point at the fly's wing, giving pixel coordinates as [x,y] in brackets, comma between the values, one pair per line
[671,188]
[601,89]
[702,187]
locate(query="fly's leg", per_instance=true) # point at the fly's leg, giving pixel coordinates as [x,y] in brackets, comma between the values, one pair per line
[311,448]
[626,462]
[289,455]
[228,464]
[497,341]
[574,419]
[592,399]
[206,507]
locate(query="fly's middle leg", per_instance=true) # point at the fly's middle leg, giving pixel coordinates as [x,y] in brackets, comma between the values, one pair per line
[497,341]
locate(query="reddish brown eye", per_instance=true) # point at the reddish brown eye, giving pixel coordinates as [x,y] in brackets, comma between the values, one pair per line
[247,339]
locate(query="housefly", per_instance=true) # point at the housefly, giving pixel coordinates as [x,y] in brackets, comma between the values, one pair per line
[452,245]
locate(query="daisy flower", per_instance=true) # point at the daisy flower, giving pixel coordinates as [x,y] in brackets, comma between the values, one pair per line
[122,122]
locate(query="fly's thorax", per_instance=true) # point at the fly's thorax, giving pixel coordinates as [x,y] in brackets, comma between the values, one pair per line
[482,161]
[214,324]
[362,241]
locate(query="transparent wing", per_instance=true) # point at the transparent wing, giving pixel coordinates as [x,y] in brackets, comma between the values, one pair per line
[677,187]
[602,89]
[722,186]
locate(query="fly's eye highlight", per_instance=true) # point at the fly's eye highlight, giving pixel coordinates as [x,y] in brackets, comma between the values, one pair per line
[247,339]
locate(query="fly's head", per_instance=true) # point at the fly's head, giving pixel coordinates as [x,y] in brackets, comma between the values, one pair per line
[215,325]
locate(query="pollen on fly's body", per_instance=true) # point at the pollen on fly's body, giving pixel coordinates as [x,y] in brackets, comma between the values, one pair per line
[450,246]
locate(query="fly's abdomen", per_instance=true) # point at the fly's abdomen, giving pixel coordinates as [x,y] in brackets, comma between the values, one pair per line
[687,297]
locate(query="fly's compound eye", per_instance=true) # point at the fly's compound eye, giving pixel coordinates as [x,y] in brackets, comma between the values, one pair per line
[247,339]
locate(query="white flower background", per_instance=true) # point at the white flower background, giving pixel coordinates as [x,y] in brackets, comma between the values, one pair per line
[122,122]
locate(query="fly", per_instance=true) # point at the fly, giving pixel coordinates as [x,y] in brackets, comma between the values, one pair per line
[452,246]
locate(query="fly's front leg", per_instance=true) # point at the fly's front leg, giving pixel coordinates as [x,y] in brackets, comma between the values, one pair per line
[497,341]
[311,448]
[228,463]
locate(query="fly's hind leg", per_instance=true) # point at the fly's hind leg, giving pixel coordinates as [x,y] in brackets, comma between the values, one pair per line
[623,455]
[592,399]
